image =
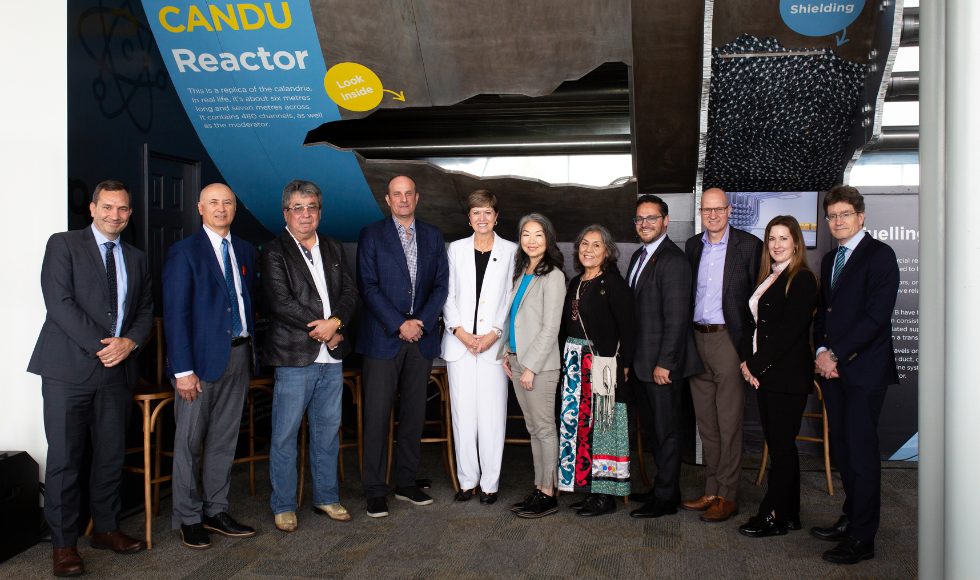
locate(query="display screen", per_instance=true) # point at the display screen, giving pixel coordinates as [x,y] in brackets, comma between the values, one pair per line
[751,211]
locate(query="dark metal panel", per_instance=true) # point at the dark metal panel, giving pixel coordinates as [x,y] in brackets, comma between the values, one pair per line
[668,39]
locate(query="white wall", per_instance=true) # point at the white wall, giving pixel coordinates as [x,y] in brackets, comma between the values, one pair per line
[34,166]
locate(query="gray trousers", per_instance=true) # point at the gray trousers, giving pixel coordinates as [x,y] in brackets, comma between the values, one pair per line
[719,405]
[538,406]
[213,419]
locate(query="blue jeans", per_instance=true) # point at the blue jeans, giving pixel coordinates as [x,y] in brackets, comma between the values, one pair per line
[317,390]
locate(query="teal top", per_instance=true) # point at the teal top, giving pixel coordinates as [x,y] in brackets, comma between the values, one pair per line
[515,306]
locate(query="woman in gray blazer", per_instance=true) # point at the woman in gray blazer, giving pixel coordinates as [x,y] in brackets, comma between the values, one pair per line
[529,349]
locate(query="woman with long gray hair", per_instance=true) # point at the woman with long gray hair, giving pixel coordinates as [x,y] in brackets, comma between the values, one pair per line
[529,349]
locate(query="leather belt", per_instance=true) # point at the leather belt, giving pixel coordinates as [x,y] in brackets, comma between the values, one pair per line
[709,327]
[240,340]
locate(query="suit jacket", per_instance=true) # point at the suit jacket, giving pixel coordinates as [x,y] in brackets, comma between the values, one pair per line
[662,297]
[197,308]
[783,362]
[537,323]
[76,296]
[293,300]
[742,260]
[606,309]
[386,288]
[461,301]
[854,319]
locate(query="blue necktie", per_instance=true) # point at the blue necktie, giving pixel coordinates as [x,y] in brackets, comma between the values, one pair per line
[236,319]
[838,266]
[639,266]
[110,272]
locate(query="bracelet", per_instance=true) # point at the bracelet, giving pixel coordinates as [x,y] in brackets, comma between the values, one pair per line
[340,323]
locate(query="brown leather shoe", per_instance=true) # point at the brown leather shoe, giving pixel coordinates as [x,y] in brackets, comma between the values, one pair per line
[118,542]
[720,511]
[700,504]
[67,562]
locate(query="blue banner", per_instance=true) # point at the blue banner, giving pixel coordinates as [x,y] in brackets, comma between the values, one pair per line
[251,78]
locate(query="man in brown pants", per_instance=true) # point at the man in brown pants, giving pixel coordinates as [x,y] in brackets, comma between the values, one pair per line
[724,264]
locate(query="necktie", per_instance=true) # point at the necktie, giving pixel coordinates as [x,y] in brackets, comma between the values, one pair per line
[639,266]
[236,319]
[110,272]
[838,266]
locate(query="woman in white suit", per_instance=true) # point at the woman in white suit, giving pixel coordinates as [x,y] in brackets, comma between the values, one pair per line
[480,271]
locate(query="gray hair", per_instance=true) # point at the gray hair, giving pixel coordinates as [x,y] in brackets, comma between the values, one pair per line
[612,250]
[303,189]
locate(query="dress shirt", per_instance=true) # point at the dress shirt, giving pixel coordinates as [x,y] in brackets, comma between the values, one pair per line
[216,244]
[640,264]
[777,269]
[121,275]
[711,278]
[320,280]
[411,249]
[850,246]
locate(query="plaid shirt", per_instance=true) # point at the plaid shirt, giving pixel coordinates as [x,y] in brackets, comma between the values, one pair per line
[411,250]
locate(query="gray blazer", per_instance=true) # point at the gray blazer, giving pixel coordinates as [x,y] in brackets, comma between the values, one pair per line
[537,323]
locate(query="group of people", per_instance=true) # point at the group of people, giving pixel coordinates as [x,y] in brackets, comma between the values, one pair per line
[726,313]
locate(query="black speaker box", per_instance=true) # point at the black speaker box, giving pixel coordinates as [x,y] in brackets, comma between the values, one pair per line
[20,511]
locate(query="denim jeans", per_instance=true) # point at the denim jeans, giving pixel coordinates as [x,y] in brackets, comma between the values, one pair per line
[317,390]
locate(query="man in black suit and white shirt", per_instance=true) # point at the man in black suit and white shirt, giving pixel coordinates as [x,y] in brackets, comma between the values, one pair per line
[99,308]
[661,281]
[725,264]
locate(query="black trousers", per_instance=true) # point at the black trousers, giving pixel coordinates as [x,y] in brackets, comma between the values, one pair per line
[781,415]
[101,406]
[408,374]
[659,408]
[852,415]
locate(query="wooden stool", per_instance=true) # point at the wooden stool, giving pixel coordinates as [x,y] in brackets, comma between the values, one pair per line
[352,380]
[264,384]
[825,440]
[440,377]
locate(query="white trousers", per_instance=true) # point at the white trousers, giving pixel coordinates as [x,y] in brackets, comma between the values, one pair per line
[478,395]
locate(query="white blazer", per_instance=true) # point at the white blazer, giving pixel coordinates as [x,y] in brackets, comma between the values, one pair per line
[461,302]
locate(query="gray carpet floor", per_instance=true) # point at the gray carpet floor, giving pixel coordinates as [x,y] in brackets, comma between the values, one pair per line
[469,540]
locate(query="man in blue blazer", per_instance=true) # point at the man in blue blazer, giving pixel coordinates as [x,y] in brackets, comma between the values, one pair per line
[853,335]
[208,282]
[403,277]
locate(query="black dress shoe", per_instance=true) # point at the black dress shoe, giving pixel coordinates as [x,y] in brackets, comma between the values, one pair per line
[226,525]
[850,551]
[645,497]
[413,495]
[793,523]
[195,536]
[488,498]
[762,527]
[598,504]
[463,495]
[524,502]
[377,507]
[834,533]
[655,509]
[581,504]
[542,505]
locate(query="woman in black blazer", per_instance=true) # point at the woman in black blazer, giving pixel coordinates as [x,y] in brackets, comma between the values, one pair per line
[781,368]
[598,319]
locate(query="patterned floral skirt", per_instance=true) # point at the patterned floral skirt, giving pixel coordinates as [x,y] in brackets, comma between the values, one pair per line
[590,458]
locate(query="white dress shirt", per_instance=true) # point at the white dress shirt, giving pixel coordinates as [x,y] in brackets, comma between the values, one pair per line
[320,280]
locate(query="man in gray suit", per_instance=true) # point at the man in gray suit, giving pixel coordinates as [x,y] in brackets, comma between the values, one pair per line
[100,308]
[660,277]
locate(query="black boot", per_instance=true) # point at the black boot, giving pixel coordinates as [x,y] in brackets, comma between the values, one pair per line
[598,504]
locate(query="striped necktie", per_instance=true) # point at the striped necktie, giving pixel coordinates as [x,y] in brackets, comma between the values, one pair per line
[236,319]
[838,266]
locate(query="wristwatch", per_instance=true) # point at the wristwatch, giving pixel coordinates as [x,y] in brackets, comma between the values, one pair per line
[498,332]
[340,323]
[833,356]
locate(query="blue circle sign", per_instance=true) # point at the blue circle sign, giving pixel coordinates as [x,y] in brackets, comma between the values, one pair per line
[819,17]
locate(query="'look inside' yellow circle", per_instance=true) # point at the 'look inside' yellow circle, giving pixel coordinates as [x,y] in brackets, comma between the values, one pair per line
[352,86]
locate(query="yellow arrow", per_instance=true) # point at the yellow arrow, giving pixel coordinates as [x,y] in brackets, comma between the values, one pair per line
[398,96]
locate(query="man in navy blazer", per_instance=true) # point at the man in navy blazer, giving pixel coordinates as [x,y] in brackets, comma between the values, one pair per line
[208,285]
[853,336]
[403,277]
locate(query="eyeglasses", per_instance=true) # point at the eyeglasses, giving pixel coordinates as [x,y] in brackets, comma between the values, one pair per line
[713,210]
[301,209]
[650,219]
[844,216]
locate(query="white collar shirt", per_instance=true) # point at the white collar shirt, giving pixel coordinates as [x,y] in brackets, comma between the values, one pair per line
[320,280]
